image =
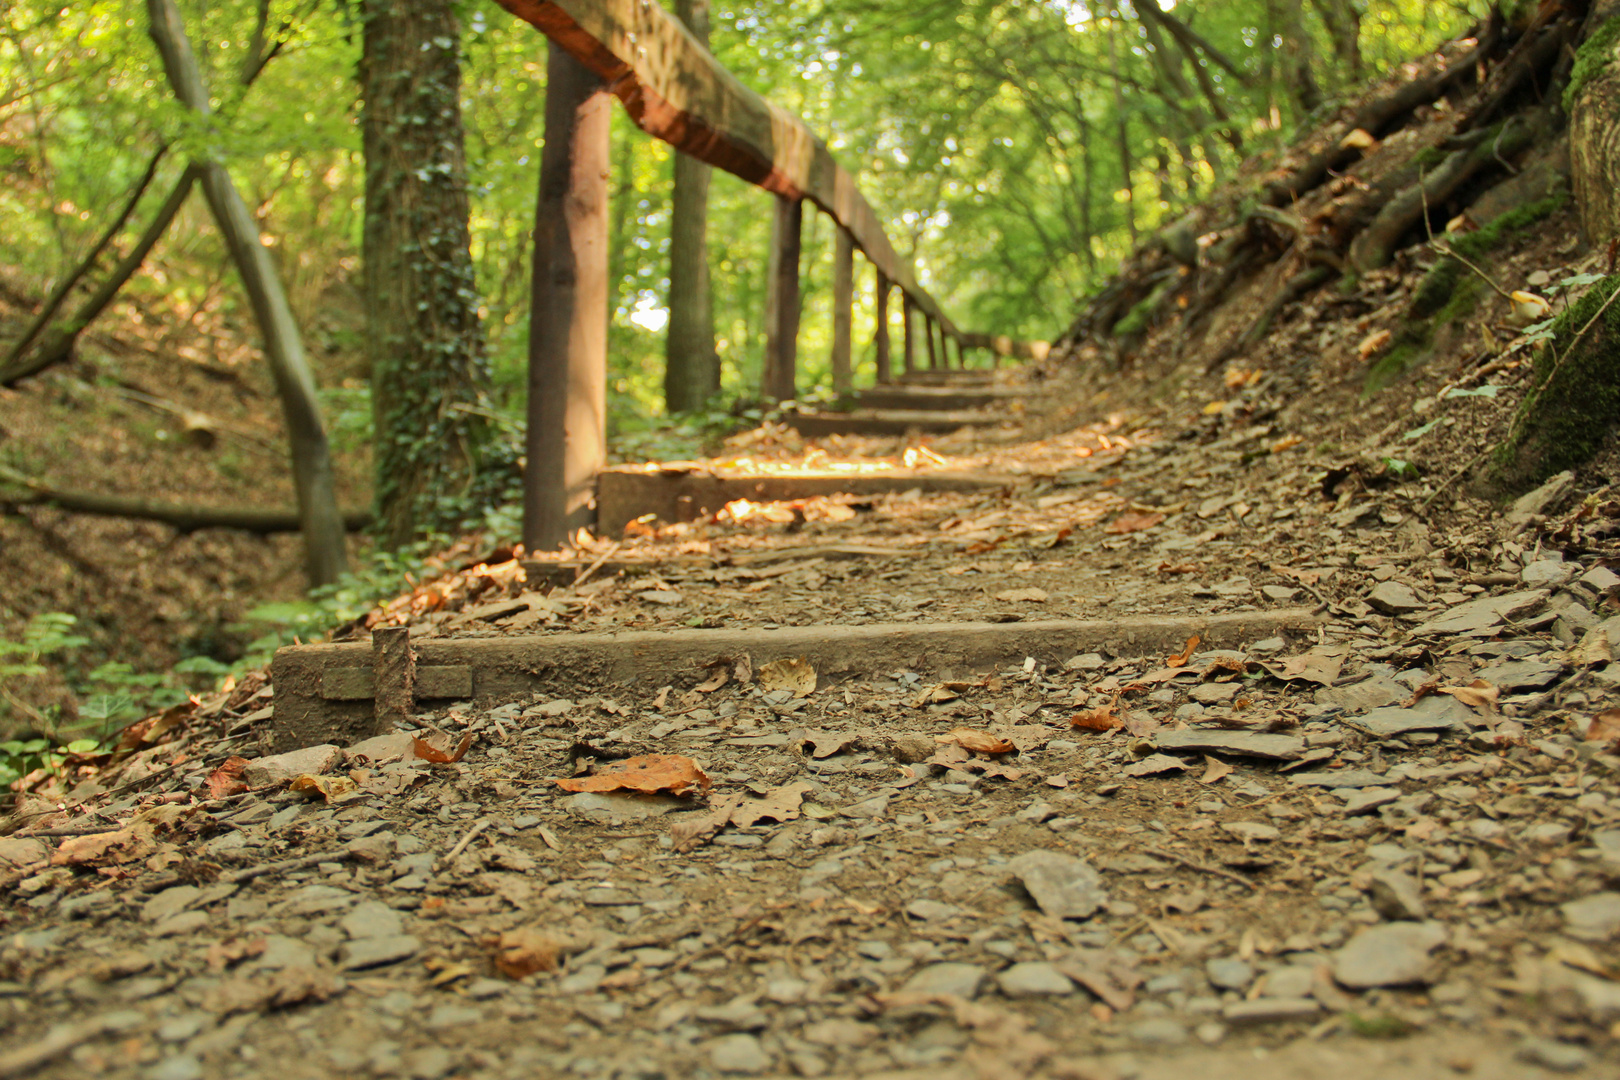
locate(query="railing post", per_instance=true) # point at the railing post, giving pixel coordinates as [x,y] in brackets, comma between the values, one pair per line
[778,381]
[843,297]
[910,347]
[928,334]
[880,339]
[567,434]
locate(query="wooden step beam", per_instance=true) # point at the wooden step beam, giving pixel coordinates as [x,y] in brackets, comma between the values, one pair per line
[815,425]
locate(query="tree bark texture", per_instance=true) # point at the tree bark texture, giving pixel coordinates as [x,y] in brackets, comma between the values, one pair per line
[691,365]
[567,432]
[779,379]
[1594,127]
[324,554]
[880,338]
[843,299]
[424,342]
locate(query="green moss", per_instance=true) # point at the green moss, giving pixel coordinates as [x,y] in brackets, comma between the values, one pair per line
[1574,401]
[1464,299]
[1592,57]
[1137,319]
[1411,350]
[1441,283]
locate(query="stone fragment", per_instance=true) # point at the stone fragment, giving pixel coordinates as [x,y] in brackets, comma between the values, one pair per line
[1437,712]
[1280,593]
[19,851]
[1366,800]
[1266,1010]
[1229,973]
[1593,918]
[1521,674]
[739,1053]
[1394,598]
[177,1067]
[169,902]
[1252,832]
[1240,743]
[1033,979]
[370,952]
[962,980]
[1391,954]
[1214,693]
[372,919]
[1546,573]
[279,768]
[1396,896]
[1370,693]
[1158,1031]
[1064,886]
[1554,1056]
[1482,616]
[932,910]
[1600,579]
[1533,503]
[605,806]
[1288,981]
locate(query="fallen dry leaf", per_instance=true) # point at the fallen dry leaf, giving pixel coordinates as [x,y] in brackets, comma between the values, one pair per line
[443,753]
[824,744]
[1478,694]
[331,788]
[1179,568]
[938,694]
[718,677]
[1321,665]
[1102,718]
[1604,727]
[227,779]
[524,951]
[1374,343]
[779,805]
[1215,770]
[1180,659]
[1593,651]
[1154,764]
[980,742]
[649,774]
[794,675]
[1132,521]
[1028,596]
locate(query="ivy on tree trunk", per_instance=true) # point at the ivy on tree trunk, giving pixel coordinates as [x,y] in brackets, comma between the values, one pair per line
[429,372]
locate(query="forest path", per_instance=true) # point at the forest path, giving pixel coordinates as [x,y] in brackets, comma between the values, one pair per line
[1370,843]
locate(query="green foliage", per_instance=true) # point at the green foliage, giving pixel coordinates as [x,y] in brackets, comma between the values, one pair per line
[1440,285]
[1595,54]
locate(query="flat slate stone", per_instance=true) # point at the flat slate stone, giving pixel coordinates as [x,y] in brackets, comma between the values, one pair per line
[1063,885]
[1393,598]
[1341,778]
[1485,614]
[1437,712]
[1372,692]
[1034,979]
[1522,674]
[963,980]
[1393,954]
[1269,1010]
[1593,918]
[370,952]
[1241,743]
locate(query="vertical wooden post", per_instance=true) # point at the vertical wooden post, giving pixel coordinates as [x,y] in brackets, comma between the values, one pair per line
[880,340]
[928,333]
[567,436]
[961,361]
[910,348]
[843,297]
[779,379]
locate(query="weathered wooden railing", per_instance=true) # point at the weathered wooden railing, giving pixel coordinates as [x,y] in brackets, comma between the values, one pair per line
[675,90]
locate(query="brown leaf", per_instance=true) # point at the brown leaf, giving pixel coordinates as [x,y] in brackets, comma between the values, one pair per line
[331,788]
[1102,718]
[649,774]
[1593,651]
[718,677]
[795,675]
[524,951]
[1154,764]
[227,779]
[688,834]
[980,742]
[442,754]
[1028,596]
[1215,770]
[224,954]
[1132,521]
[1321,665]
[1180,659]
[1141,725]
[1604,727]
[1478,694]
[938,694]
[780,805]
[824,744]
[1178,568]
[119,846]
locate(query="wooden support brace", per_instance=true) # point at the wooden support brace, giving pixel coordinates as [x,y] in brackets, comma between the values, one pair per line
[843,298]
[909,320]
[567,432]
[393,663]
[928,334]
[779,379]
[880,339]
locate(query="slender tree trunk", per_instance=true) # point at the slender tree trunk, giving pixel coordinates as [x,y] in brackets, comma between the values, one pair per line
[691,365]
[880,338]
[1301,68]
[779,380]
[324,553]
[1343,23]
[843,299]
[429,374]
[567,437]
[1594,131]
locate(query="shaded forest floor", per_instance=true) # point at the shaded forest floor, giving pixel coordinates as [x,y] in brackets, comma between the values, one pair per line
[1370,824]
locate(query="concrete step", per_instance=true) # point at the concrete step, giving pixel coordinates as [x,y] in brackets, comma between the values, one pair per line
[687,492]
[888,422]
[922,396]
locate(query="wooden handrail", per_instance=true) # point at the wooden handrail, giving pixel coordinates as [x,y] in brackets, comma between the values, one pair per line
[675,90]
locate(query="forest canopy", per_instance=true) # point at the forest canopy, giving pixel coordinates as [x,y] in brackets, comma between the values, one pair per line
[1018,150]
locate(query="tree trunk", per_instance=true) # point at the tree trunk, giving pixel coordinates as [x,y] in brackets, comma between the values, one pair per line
[567,437]
[324,554]
[843,298]
[778,381]
[429,375]
[1123,134]
[691,365]
[1594,126]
